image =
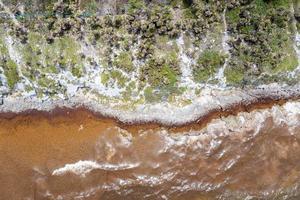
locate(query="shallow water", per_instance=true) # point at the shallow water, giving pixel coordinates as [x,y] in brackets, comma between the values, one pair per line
[79,156]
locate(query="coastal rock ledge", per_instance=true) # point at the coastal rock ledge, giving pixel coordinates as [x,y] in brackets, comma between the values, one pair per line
[170,62]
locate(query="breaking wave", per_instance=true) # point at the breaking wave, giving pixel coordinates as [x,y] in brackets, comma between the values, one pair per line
[251,155]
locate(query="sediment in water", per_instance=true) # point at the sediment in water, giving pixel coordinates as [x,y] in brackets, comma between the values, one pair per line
[73,154]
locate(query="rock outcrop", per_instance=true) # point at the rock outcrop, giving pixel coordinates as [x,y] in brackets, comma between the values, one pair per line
[130,54]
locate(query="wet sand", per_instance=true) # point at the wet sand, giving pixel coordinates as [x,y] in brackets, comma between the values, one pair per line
[258,156]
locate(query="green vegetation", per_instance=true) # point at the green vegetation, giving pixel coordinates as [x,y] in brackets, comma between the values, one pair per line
[3,48]
[233,15]
[32,54]
[91,7]
[128,93]
[160,72]
[11,73]
[135,5]
[104,78]
[234,75]
[207,65]
[264,27]
[68,50]
[119,78]
[47,86]
[76,71]
[169,75]
[42,58]
[124,61]
[150,95]
[147,32]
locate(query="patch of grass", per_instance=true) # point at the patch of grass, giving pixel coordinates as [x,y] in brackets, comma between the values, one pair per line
[76,71]
[11,73]
[47,85]
[188,13]
[104,78]
[69,49]
[207,65]
[35,40]
[175,2]
[3,48]
[135,5]
[32,51]
[233,15]
[160,73]
[261,6]
[52,69]
[265,29]
[127,94]
[234,75]
[124,61]
[119,78]
[90,7]
[281,3]
[162,40]
[150,96]
[289,63]
[44,82]
[169,75]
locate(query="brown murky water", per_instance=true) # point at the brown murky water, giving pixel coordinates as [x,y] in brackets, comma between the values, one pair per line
[79,156]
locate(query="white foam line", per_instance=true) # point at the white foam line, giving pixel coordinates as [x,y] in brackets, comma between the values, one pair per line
[81,168]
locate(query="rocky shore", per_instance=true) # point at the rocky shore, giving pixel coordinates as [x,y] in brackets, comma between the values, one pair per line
[171,62]
[208,106]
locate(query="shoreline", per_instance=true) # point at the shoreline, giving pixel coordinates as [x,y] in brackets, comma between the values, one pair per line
[60,150]
[201,115]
